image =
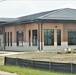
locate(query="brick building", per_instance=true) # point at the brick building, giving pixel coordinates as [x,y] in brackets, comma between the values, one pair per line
[46,31]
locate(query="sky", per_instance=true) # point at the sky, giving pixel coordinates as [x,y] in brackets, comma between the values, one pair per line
[18,8]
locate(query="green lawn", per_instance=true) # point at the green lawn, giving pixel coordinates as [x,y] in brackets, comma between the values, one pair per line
[29,71]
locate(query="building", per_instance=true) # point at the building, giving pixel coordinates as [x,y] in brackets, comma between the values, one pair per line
[3,21]
[46,31]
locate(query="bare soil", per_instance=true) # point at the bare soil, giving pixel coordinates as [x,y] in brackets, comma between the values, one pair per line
[48,56]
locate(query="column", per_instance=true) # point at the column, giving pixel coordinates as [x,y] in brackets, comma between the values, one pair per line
[64,36]
[40,36]
[55,37]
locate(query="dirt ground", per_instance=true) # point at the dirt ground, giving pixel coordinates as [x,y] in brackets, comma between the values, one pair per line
[3,54]
[48,56]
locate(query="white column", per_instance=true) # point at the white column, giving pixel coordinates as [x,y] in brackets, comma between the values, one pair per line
[55,44]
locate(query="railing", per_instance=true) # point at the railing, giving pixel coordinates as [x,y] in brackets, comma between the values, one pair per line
[52,66]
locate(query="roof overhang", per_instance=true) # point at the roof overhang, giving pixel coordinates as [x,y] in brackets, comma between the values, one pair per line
[37,21]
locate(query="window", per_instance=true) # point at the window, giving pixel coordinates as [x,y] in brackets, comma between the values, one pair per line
[5,39]
[71,37]
[29,37]
[34,37]
[10,38]
[48,37]
[0,42]
[58,37]
[20,38]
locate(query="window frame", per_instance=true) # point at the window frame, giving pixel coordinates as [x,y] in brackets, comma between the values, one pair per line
[71,42]
[19,43]
[34,34]
[46,43]
[29,37]
[10,38]
[58,40]
[5,39]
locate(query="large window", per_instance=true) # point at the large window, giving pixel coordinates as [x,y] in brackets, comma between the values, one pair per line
[58,37]
[71,37]
[34,37]
[49,37]
[20,38]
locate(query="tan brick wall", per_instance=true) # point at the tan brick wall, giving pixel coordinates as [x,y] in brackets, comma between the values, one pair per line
[33,26]
[53,26]
[24,27]
[28,27]
[66,27]
[18,28]
[11,29]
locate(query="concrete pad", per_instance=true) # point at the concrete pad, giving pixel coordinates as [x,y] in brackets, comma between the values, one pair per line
[7,73]
[10,53]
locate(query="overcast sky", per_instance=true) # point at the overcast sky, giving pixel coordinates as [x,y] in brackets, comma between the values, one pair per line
[17,8]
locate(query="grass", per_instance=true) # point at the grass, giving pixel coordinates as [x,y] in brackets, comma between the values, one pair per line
[1,60]
[29,71]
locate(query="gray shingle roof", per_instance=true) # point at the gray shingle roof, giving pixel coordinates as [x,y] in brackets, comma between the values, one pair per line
[55,15]
[33,16]
[59,14]
[4,21]
[62,14]
[7,19]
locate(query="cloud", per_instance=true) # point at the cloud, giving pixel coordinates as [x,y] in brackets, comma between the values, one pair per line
[16,8]
[19,4]
[70,5]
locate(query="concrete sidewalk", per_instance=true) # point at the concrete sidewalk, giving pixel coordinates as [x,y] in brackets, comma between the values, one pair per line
[4,53]
[7,73]
[9,53]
